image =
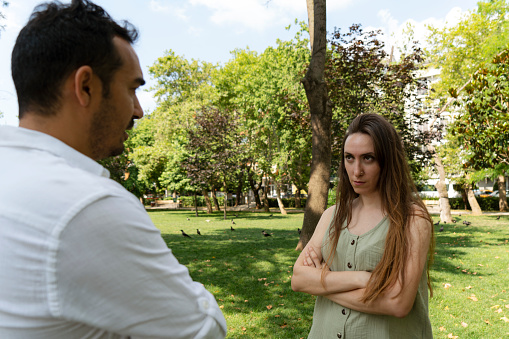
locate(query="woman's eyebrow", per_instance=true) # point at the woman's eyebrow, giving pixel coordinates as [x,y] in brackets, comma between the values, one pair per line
[369,153]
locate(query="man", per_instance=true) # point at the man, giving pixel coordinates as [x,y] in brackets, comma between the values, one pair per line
[79,256]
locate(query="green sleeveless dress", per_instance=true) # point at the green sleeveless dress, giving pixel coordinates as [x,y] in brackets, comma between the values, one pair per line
[362,253]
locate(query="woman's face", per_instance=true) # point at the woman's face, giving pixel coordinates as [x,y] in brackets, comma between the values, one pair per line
[360,163]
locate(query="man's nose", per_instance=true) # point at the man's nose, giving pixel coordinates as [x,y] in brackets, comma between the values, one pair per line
[138,111]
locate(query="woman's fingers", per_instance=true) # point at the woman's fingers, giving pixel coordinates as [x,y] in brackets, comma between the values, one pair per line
[317,262]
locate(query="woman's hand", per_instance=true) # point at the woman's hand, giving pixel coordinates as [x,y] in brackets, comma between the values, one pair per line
[312,259]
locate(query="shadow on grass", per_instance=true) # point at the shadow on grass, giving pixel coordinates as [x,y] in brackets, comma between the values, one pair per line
[456,243]
[250,276]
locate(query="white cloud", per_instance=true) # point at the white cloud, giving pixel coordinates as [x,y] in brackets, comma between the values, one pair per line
[388,19]
[252,14]
[179,12]
[393,30]
[333,5]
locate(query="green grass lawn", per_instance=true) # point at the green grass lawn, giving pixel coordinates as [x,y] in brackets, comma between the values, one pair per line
[249,274]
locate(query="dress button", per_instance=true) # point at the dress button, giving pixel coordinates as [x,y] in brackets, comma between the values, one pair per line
[343,311]
[349,265]
[353,242]
[340,336]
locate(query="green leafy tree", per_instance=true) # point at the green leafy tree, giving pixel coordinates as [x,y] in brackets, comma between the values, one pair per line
[265,90]
[362,79]
[215,150]
[484,126]
[461,50]
[183,88]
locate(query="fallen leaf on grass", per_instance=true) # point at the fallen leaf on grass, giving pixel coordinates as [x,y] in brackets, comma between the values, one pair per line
[499,310]
[472,297]
[221,307]
[468,287]
[452,336]
[441,328]
[507,306]
[505,319]
[464,324]
[447,285]
[269,307]
[487,322]
[243,328]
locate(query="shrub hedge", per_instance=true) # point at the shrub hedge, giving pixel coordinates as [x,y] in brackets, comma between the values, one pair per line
[486,204]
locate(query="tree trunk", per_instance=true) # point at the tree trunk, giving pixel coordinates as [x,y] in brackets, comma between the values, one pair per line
[207,200]
[445,207]
[214,198]
[266,206]
[195,204]
[502,198]
[298,203]
[225,199]
[321,119]
[255,188]
[474,205]
[279,201]
[240,186]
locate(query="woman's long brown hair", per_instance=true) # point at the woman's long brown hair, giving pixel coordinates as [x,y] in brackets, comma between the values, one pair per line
[400,201]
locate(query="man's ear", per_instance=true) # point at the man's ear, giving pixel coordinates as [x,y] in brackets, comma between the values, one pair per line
[87,85]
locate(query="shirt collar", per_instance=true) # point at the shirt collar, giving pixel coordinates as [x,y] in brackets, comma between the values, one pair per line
[11,136]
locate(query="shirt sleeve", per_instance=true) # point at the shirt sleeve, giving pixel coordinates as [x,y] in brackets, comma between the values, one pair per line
[113,271]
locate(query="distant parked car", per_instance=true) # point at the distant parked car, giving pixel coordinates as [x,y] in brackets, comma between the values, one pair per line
[486,194]
[495,194]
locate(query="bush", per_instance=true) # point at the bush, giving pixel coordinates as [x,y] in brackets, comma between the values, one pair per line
[287,202]
[486,204]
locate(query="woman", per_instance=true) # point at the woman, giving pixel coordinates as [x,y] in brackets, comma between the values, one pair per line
[368,259]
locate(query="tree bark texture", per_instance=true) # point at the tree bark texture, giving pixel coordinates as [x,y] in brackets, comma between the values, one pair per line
[255,187]
[279,201]
[266,206]
[240,186]
[474,205]
[195,204]
[502,198]
[297,198]
[321,118]
[207,200]
[445,207]
[214,198]
[225,198]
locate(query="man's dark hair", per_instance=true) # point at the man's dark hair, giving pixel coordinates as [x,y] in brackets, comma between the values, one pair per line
[57,40]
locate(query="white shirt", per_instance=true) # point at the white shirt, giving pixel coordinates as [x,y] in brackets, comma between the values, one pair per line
[80,257]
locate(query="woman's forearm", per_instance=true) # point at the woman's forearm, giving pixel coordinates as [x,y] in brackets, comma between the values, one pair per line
[386,303]
[308,280]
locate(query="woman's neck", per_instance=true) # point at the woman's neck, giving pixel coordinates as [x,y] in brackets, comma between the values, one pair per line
[371,201]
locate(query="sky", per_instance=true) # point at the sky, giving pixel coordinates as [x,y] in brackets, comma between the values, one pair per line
[209,30]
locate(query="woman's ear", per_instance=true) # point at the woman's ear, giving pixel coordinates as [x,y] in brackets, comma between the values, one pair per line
[86,85]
